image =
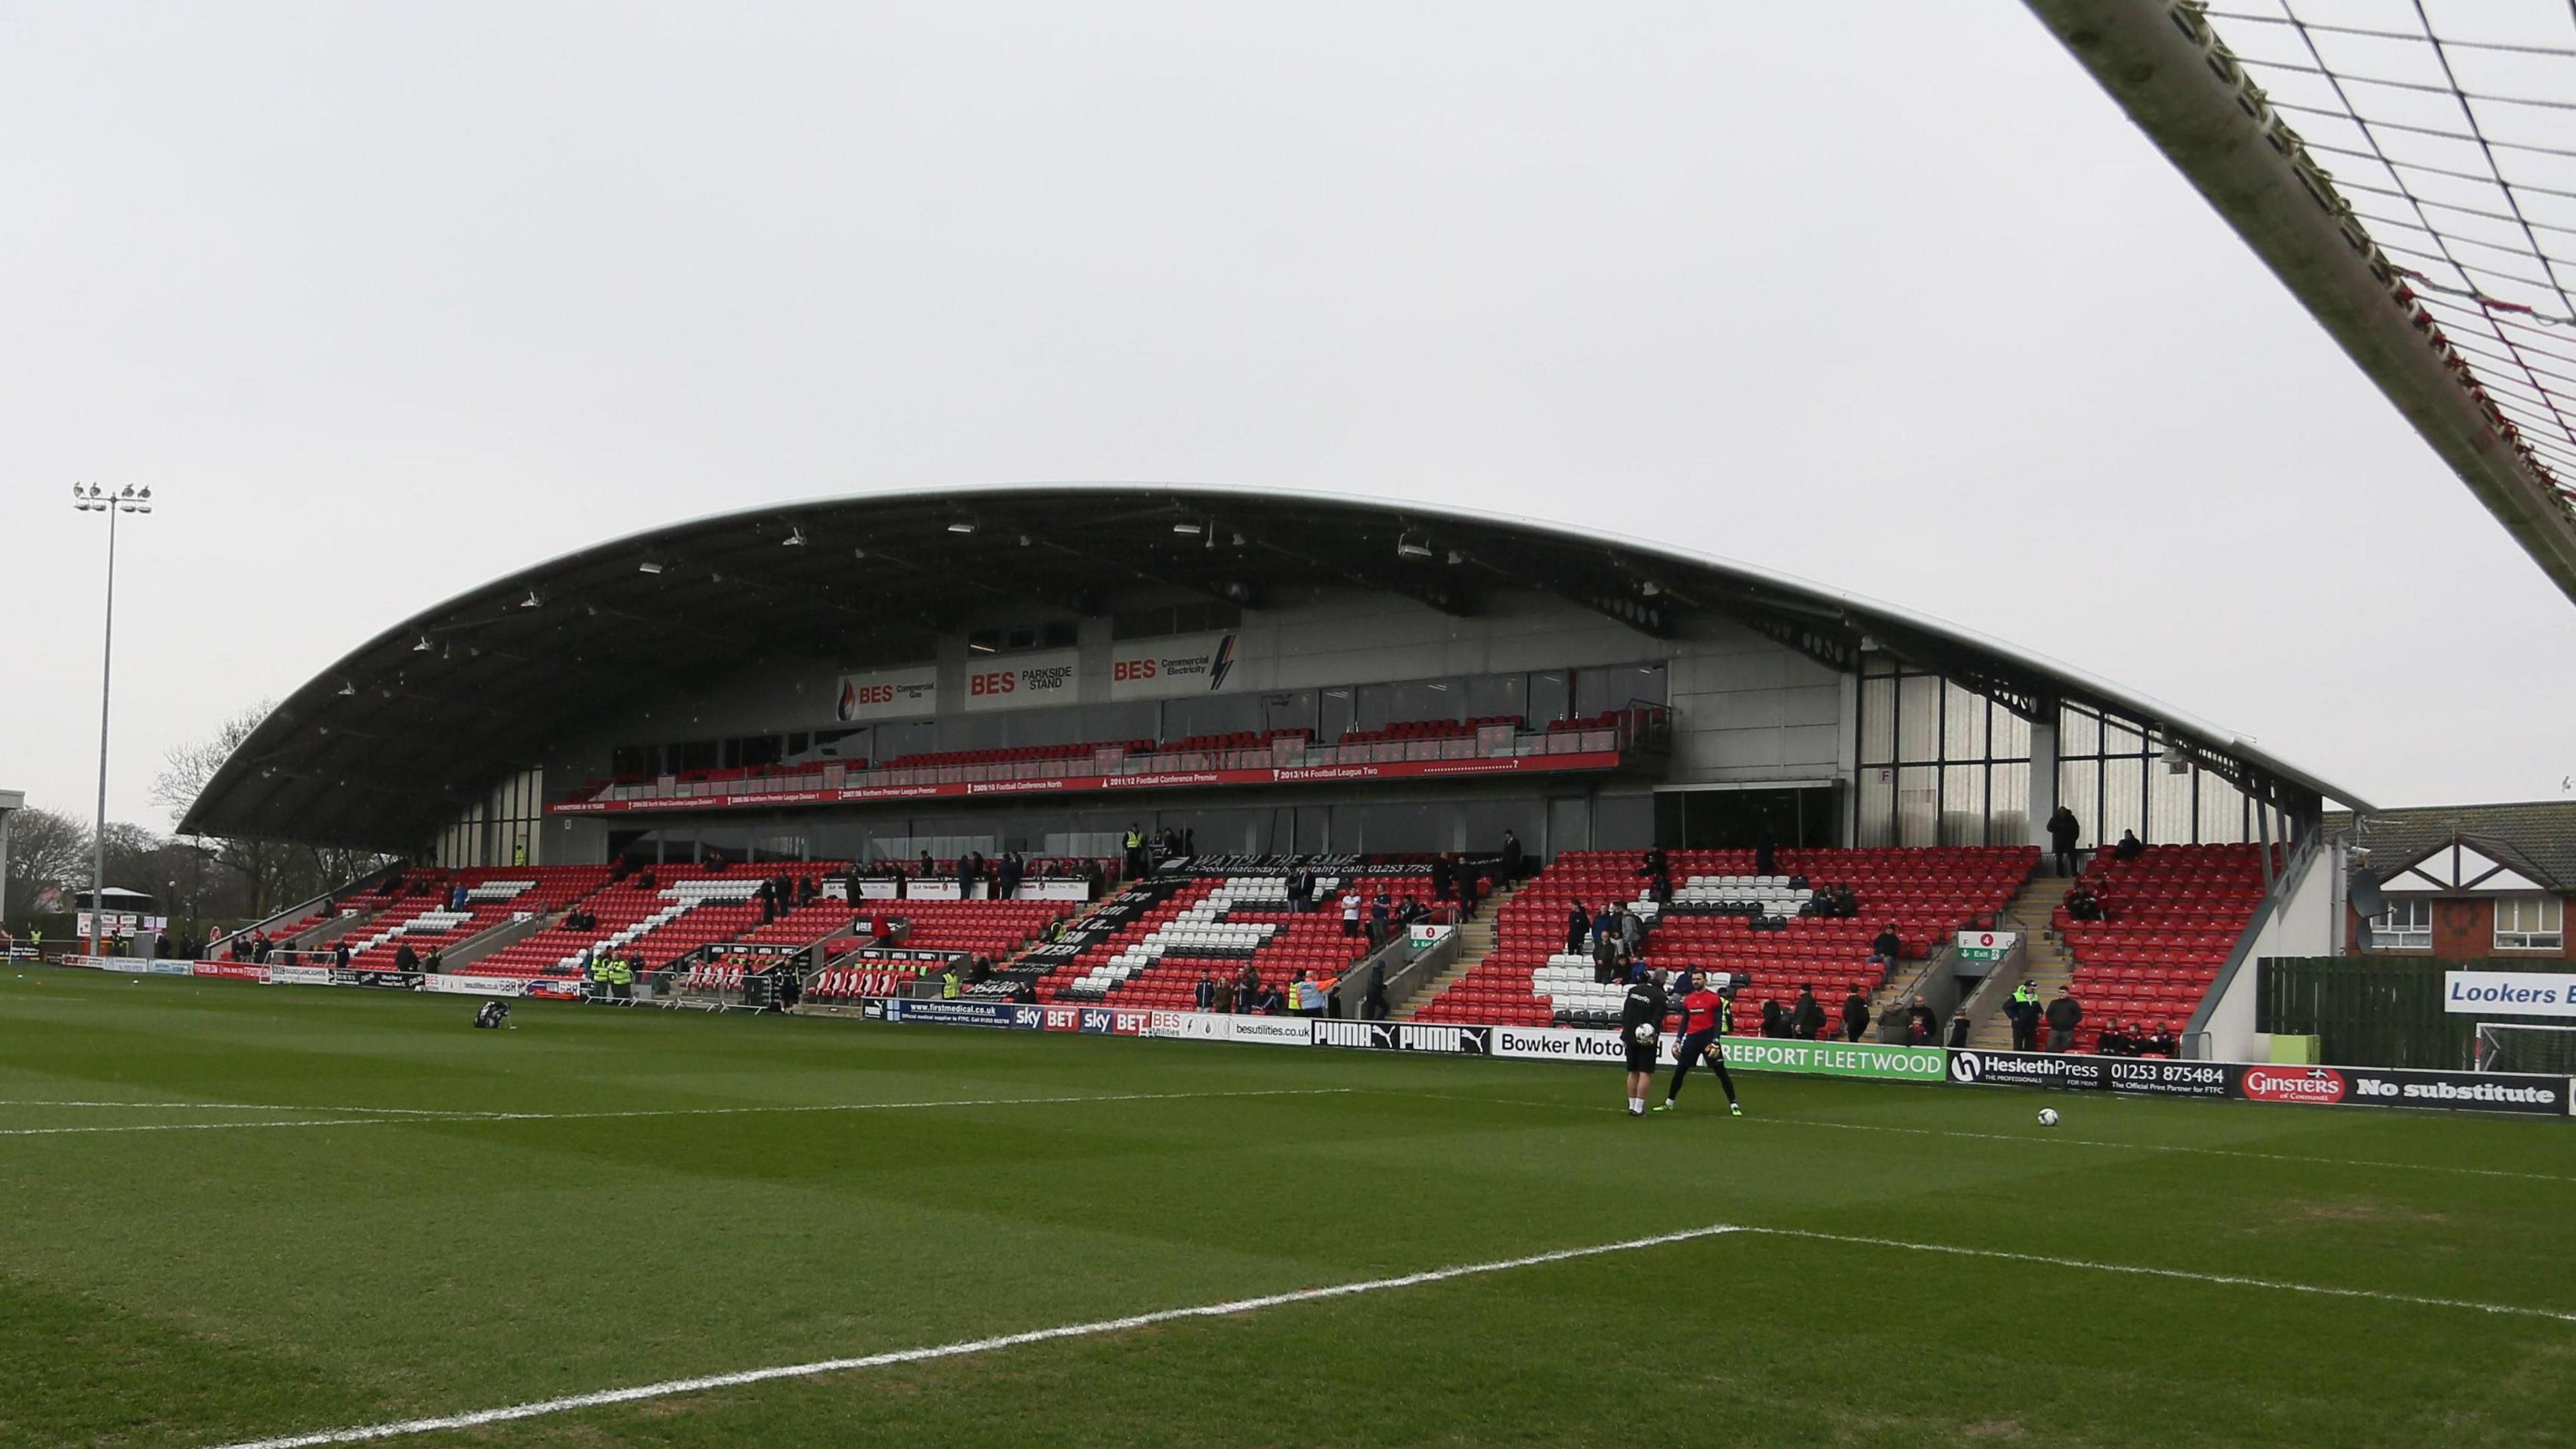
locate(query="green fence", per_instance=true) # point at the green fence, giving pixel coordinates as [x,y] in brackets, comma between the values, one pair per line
[2373,1011]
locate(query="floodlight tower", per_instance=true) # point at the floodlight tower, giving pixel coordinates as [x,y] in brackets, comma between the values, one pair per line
[90,498]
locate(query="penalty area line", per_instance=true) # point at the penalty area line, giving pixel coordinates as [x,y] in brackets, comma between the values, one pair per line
[605,1398]
[669,1387]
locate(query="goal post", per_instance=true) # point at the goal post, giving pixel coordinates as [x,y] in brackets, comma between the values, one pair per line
[2516,1046]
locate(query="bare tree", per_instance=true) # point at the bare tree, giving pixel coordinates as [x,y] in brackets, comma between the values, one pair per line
[46,848]
[264,874]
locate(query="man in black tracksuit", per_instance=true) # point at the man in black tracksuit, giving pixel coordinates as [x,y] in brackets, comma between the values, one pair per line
[1706,1017]
[1641,1028]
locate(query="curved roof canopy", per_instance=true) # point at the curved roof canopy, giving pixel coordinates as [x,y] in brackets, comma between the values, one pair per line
[396,739]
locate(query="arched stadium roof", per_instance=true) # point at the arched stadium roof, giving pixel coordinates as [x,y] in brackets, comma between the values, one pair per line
[394,740]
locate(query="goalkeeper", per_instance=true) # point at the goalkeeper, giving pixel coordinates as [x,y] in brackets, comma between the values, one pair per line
[1641,1027]
[1707,1016]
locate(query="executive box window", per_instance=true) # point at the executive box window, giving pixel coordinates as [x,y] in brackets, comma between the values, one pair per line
[2407,925]
[2530,923]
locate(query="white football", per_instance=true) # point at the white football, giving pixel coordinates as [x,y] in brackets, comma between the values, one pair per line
[1644,1033]
[2048,1116]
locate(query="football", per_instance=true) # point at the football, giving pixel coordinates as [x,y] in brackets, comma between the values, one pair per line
[2048,1116]
[1644,1033]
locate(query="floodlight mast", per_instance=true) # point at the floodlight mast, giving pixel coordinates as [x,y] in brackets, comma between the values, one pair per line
[2160,60]
[90,498]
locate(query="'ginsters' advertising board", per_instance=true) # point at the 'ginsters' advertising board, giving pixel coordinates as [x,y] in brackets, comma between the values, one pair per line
[2401,1087]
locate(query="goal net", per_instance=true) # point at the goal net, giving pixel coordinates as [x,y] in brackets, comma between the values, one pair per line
[2505,1046]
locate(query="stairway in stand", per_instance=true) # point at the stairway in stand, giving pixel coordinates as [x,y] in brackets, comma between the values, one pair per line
[2051,964]
[1475,943]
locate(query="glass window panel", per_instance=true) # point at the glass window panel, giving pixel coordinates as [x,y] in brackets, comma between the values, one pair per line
[1963,727]
[2008,803]
[2407,925]
[1547,696]
[1963,804]
[2121,739]
[1918,719]
[2079,732]
[2222,810]
[2124,803]
[2529,923]
[1917,805]
[1876,823]
[1878,720]
[2079,787]
[2011,736]
[2169,798]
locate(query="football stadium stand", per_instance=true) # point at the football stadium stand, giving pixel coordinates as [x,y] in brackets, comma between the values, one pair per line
[2170,917]
[1724,917]
[1220,926]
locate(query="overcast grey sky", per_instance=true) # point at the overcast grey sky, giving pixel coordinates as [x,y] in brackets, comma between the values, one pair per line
[384,302]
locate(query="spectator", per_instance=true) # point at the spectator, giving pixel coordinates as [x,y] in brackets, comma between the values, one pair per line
[2064,1015]
[1819,902]
[1133,842]
[2130,846]
[1855,1016]
[2114,1040]
[1766,855]
[1511,856]
[1887,950]
[2082,904]
[1350,910]
[2164,1043]
[2022,1011]
[405,958]
[1846,905]
[1632,931]
[1381,908]
[1922,1028]
[1606,966]
[2063,830]
[1373,1004]
[1247,988]
[1806,1019]
[1578,930]
[1471,882]
[1775,1022]
[1959,1029]
[1441,882]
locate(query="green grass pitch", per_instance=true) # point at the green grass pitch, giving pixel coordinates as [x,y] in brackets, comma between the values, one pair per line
[338,1228]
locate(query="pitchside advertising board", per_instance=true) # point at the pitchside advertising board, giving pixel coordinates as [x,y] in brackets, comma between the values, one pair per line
[2509,993]
[2394,1087]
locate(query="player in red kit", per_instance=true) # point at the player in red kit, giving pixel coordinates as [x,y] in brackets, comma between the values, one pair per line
[1706,1018]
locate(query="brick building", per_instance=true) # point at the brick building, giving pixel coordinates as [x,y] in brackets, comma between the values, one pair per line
[2464,882]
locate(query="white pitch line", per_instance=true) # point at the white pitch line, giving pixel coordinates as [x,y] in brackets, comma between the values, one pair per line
[2280,1285]
[238,1107]
[197,1126]
[665,1389]
[669,1387]
[462,1118]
